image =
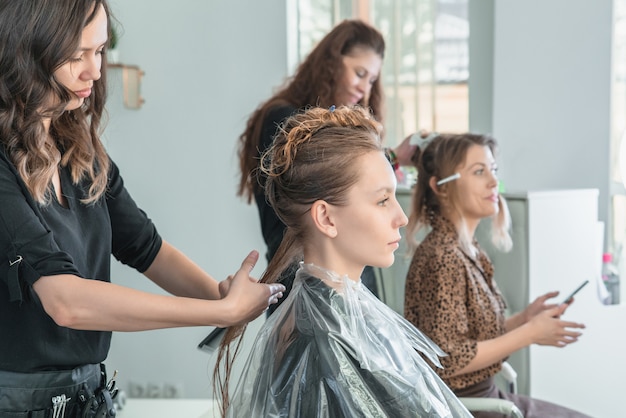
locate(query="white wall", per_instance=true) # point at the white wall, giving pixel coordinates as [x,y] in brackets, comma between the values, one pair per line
[207,66]
[551,94]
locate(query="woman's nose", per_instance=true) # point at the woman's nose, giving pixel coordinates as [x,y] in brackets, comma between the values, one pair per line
[493,179]
[364,86]
[93,69]
[401,218]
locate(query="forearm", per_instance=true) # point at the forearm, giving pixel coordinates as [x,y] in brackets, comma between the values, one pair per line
[497,349]
[515,321]
[174,272]
[79,303]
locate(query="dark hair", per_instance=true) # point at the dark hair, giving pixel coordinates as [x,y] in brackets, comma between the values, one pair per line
[313,84]
[440,158]
[36,38]
[314,157]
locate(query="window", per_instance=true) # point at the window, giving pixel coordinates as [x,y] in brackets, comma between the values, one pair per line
[426,68]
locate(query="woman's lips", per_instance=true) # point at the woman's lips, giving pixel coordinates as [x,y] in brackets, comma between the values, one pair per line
[83,93]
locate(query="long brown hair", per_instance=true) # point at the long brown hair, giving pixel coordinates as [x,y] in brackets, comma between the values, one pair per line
[313,157]
[439,159]
[313,84]
[36,38]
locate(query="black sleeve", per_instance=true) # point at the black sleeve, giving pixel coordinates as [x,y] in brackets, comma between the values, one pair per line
[25,241]
[135,240]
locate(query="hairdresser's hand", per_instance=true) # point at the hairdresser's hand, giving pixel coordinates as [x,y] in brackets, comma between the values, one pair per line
[548,329]
[539,305]
[224,286]
[245,297]
[405,151]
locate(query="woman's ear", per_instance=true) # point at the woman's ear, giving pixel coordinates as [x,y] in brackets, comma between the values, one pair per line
[432,182]
[322,218]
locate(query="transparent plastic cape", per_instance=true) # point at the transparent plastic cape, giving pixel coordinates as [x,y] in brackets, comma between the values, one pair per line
[332,349]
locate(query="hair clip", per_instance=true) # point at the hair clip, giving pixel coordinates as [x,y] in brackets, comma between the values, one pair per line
[449,179]
[422,142]
[332,108]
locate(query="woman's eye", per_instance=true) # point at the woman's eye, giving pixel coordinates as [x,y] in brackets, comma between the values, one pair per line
[383,202]
[479,172]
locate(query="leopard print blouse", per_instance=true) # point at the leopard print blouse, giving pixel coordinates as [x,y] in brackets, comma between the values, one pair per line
[453,299]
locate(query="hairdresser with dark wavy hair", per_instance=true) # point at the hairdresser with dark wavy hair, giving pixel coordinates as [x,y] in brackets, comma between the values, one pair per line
[65,211]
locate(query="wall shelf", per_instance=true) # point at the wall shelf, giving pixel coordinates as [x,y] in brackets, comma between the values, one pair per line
[131,82]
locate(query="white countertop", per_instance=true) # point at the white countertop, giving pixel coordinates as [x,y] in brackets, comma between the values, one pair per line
[168,408]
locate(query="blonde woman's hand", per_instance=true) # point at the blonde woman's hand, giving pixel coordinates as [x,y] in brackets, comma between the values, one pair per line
[549,329]
[539,305]
[246,298]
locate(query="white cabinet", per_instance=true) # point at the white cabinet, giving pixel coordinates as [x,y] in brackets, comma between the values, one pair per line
[558,244]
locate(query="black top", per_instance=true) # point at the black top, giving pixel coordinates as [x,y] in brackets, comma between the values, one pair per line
[79,239]
[272,228]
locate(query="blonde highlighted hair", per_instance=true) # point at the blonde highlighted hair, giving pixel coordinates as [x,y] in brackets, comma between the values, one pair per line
[28,86]
[439,159]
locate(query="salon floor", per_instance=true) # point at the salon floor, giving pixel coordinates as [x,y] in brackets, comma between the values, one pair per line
[168,408]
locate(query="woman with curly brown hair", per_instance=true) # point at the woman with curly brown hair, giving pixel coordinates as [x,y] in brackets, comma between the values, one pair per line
[65,211]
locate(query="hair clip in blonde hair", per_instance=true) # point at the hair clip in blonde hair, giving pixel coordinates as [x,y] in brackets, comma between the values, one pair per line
[332,108]
[449,179]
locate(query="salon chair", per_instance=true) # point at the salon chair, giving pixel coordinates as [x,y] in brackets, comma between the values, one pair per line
[506,379]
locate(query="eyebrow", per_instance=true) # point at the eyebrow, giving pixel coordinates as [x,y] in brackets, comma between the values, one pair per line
[86,48]
[385,189]
[482,164]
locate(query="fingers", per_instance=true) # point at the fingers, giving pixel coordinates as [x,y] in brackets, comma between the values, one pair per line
[276,292]
[554,312]
[250,261]
[568,336]
[549,295]
[276,288]
[567,324]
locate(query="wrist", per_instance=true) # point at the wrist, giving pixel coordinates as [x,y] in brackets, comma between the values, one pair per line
[527,335]
[393,158]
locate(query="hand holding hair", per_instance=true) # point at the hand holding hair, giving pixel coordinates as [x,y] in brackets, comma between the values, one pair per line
[245,293]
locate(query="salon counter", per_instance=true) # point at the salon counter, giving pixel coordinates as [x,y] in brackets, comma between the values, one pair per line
[168,408]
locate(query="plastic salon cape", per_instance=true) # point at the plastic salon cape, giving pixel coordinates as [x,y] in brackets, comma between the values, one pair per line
[332,349]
